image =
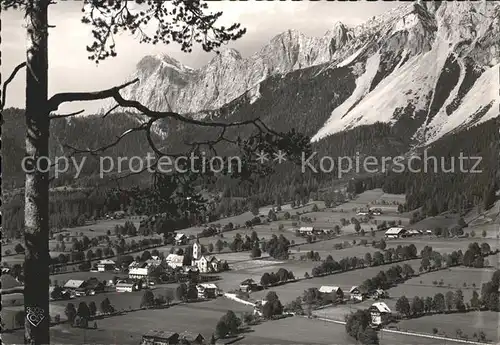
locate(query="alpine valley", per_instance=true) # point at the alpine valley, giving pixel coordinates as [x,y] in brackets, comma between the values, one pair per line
[423,75]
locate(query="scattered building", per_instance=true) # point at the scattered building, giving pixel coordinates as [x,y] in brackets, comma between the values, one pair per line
[106,265]
[204,263]
[248,285]
[306,230]
[141,270]
[395,232]
[413,233]
[160,338]
[174,260]
[192,338]
[73,284]
[356,294]
[126,287]
[258,308]
[334,292]
[207,290]
[379,293]
[181,239]
[380,313]
[119,214]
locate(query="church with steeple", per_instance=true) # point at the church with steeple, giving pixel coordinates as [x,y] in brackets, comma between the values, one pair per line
[204,263]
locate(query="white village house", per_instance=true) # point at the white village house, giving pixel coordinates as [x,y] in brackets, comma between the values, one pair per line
[125,287]
[106,265]
[395,232]
[356,294]
[334,292]
[380,313]
[180,239]
[207,290]
[141,270]
[174,260]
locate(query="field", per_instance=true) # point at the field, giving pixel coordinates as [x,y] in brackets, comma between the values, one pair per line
[297,330]
[128,328]
[99,228]
[374,198]
[345,281]
[469,323]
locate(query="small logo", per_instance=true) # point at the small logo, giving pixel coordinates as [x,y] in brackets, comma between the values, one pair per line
[35,315]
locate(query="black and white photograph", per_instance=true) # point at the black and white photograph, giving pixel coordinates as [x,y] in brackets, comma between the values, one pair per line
[202,172]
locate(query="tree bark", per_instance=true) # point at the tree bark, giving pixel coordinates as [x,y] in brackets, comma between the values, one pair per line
[36,211]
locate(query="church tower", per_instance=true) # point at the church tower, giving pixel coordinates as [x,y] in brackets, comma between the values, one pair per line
[196,250]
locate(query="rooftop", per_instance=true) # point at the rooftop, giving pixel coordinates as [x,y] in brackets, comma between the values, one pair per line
[74,283]
[329,289]
[381,307]
[161,334]
[394,231]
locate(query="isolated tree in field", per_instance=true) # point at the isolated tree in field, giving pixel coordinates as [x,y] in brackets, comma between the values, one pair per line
[475,303]
[256,252]
[403,306]
[428,304]
[181,21]
[273,305]
[357,322]
[229,324]
[106,306]
[83,310]
[450,300]
[382,245]
[368,337]
[459,300]
[219,245]
[438,303]
[368,259]
[425,263]
[407,271]
[357,227]
[92,308]
[70,312]
[417,306]
[148,299]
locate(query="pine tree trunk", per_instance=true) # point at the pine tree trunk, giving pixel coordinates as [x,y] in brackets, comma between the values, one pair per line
[36,212]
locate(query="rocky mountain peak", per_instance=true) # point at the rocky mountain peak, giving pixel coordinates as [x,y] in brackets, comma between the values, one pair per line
[401,58]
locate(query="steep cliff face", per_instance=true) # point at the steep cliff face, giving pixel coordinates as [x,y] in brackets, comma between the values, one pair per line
[165,83]
[427,67]
[434,70]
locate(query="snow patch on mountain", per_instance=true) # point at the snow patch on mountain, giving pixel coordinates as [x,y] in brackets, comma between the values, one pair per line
[407,84]
[341,116]
[351,58]
[484,95]
[426,38]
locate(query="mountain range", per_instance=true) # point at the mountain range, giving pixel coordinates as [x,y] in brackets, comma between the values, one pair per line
[428,68]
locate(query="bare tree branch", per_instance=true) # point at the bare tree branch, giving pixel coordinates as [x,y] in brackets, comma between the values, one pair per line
[55,101]
[114,92]
[142,127]
[8,81]
[110,111]
[53,117]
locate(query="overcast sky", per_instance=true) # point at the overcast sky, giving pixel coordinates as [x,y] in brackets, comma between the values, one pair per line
[70,70]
